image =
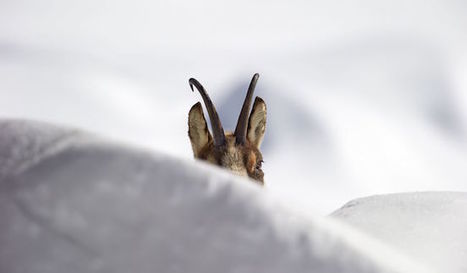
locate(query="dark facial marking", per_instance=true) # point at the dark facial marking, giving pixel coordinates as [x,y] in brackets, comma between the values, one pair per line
[253,162]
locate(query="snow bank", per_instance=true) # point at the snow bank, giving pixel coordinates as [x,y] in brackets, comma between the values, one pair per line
[70,202]
[428,226]
[368,97]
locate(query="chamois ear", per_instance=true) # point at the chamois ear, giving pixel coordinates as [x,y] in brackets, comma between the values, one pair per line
[257,122]
[198,129]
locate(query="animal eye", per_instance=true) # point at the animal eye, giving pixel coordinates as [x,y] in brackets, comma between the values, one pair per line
[259,164]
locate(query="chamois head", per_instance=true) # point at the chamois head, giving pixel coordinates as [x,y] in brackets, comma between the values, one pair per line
[237,151]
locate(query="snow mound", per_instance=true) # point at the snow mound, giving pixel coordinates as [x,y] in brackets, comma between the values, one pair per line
[427,226]
[70,202]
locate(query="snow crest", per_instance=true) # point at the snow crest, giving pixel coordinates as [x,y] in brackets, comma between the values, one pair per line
[427,226]
[92,206]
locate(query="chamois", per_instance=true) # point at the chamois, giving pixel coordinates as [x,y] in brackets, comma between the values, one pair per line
[238,151]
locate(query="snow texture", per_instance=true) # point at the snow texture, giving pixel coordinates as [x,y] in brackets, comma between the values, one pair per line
[367,97]
[70,202]
[430,227]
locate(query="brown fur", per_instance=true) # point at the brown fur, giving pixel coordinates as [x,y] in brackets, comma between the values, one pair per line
[251,157]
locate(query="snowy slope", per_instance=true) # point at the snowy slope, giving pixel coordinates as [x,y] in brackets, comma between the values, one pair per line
[70,202]
[430,227]
[367,97]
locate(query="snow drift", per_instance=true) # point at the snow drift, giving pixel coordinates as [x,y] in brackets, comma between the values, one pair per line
[70,202]
[429,227]
[367,96]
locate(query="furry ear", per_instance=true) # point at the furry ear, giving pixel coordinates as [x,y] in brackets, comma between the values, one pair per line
[257,122]
[198,129]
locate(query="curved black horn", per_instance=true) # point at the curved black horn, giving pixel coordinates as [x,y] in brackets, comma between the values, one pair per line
[242,123]
[217,130]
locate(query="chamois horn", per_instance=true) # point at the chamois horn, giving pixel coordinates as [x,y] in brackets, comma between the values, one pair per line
[242,123]
[217,130]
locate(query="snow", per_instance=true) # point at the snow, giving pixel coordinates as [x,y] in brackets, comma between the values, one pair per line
[367,97]
[88,205]
[426,226]
[363,98]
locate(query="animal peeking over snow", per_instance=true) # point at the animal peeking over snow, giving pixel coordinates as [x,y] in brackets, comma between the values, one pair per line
[236,151]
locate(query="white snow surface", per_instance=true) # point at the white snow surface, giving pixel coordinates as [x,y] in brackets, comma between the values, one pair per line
[71,202]
[429,227]
[364,97]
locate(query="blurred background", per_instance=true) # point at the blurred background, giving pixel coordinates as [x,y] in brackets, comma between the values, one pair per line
[364,97]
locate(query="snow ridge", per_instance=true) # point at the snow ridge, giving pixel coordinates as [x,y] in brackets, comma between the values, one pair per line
[93,206]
